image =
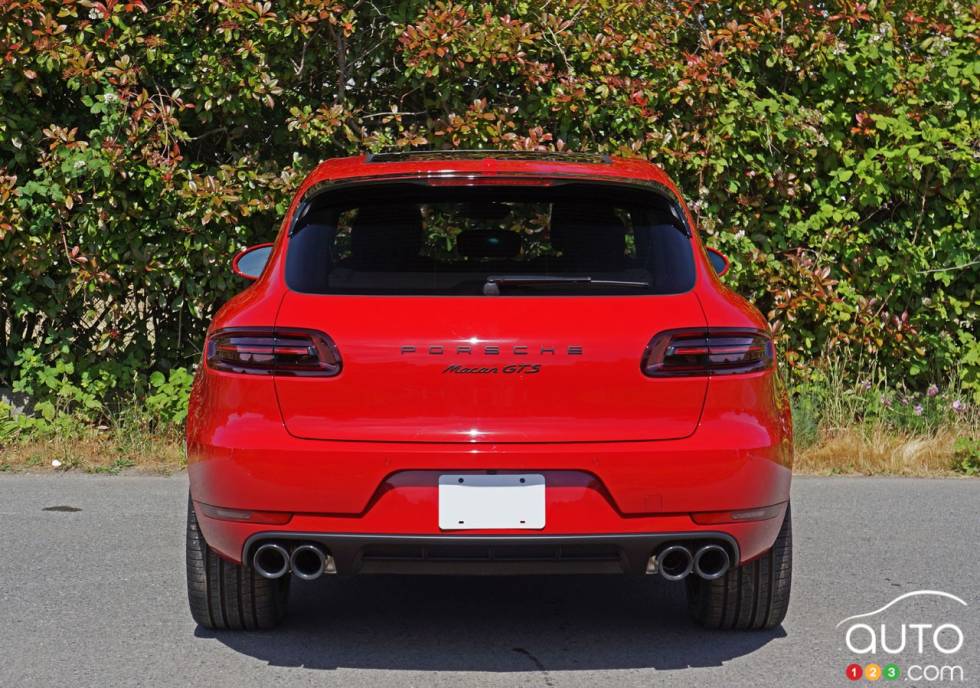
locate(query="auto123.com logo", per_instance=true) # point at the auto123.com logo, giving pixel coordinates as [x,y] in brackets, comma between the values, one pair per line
[913,638]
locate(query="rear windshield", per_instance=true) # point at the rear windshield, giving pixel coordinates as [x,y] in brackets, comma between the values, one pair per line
[418,240]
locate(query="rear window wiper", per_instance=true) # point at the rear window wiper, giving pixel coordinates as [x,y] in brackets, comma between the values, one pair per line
[494,282]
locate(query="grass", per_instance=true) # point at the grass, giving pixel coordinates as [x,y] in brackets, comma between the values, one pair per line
[132,444]
[873,427]
[95,454]
[879,451]
[841,428]
[855,450]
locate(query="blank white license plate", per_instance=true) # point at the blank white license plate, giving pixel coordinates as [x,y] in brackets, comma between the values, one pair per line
[491,501]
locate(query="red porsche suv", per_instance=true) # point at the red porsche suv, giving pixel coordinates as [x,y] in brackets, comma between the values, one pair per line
[488,363]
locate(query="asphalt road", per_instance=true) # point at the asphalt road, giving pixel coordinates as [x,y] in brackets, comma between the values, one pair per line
[95,597]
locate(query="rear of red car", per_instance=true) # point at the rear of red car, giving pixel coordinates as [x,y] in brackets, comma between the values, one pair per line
[488,364]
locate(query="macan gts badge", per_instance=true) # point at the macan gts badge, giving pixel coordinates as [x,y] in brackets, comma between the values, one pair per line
[474,362]
[473,346]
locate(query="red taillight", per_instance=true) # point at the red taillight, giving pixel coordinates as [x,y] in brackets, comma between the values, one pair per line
[712,351]
[279,351]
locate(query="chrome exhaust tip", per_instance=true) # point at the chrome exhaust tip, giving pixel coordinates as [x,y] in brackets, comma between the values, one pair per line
[673,563]
[271,560]
[308,562]
[711,562]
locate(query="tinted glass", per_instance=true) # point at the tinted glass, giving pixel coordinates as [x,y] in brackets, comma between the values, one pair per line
[527,242]
[718,262]
[253,263]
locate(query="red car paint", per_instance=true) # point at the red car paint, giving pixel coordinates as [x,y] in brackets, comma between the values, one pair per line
[361,452]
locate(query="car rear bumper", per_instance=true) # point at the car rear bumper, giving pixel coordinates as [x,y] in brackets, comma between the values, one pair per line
[398,532]
[739,458]
[634,489]
[665,495]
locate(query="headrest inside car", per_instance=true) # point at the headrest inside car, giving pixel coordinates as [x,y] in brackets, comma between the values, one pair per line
[588,235]
[488,243]
[317,219]
[386,236]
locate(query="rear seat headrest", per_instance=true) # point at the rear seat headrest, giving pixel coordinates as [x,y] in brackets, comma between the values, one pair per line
[587,233]
[386,235]
[316,218]
[644,231]
[488,243]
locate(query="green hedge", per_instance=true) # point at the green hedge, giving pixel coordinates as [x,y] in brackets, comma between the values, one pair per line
[831,149]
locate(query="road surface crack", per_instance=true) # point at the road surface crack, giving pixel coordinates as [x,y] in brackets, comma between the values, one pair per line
[537,662]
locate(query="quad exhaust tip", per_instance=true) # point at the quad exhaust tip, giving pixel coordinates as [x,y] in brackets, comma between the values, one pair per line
[271,561]
[711,562]
[308,562]
[674,563]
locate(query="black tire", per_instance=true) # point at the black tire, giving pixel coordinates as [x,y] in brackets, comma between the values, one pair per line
[227,596]
[751,597]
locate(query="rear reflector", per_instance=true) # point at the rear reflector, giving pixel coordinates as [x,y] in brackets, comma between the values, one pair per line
[711,351]
[223,514]
[278,351]
[709,518]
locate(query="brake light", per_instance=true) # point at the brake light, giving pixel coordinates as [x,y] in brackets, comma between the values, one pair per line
[273,351]
[711,351]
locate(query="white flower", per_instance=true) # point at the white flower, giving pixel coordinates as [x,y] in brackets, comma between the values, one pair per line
[110,97]
[56,464]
